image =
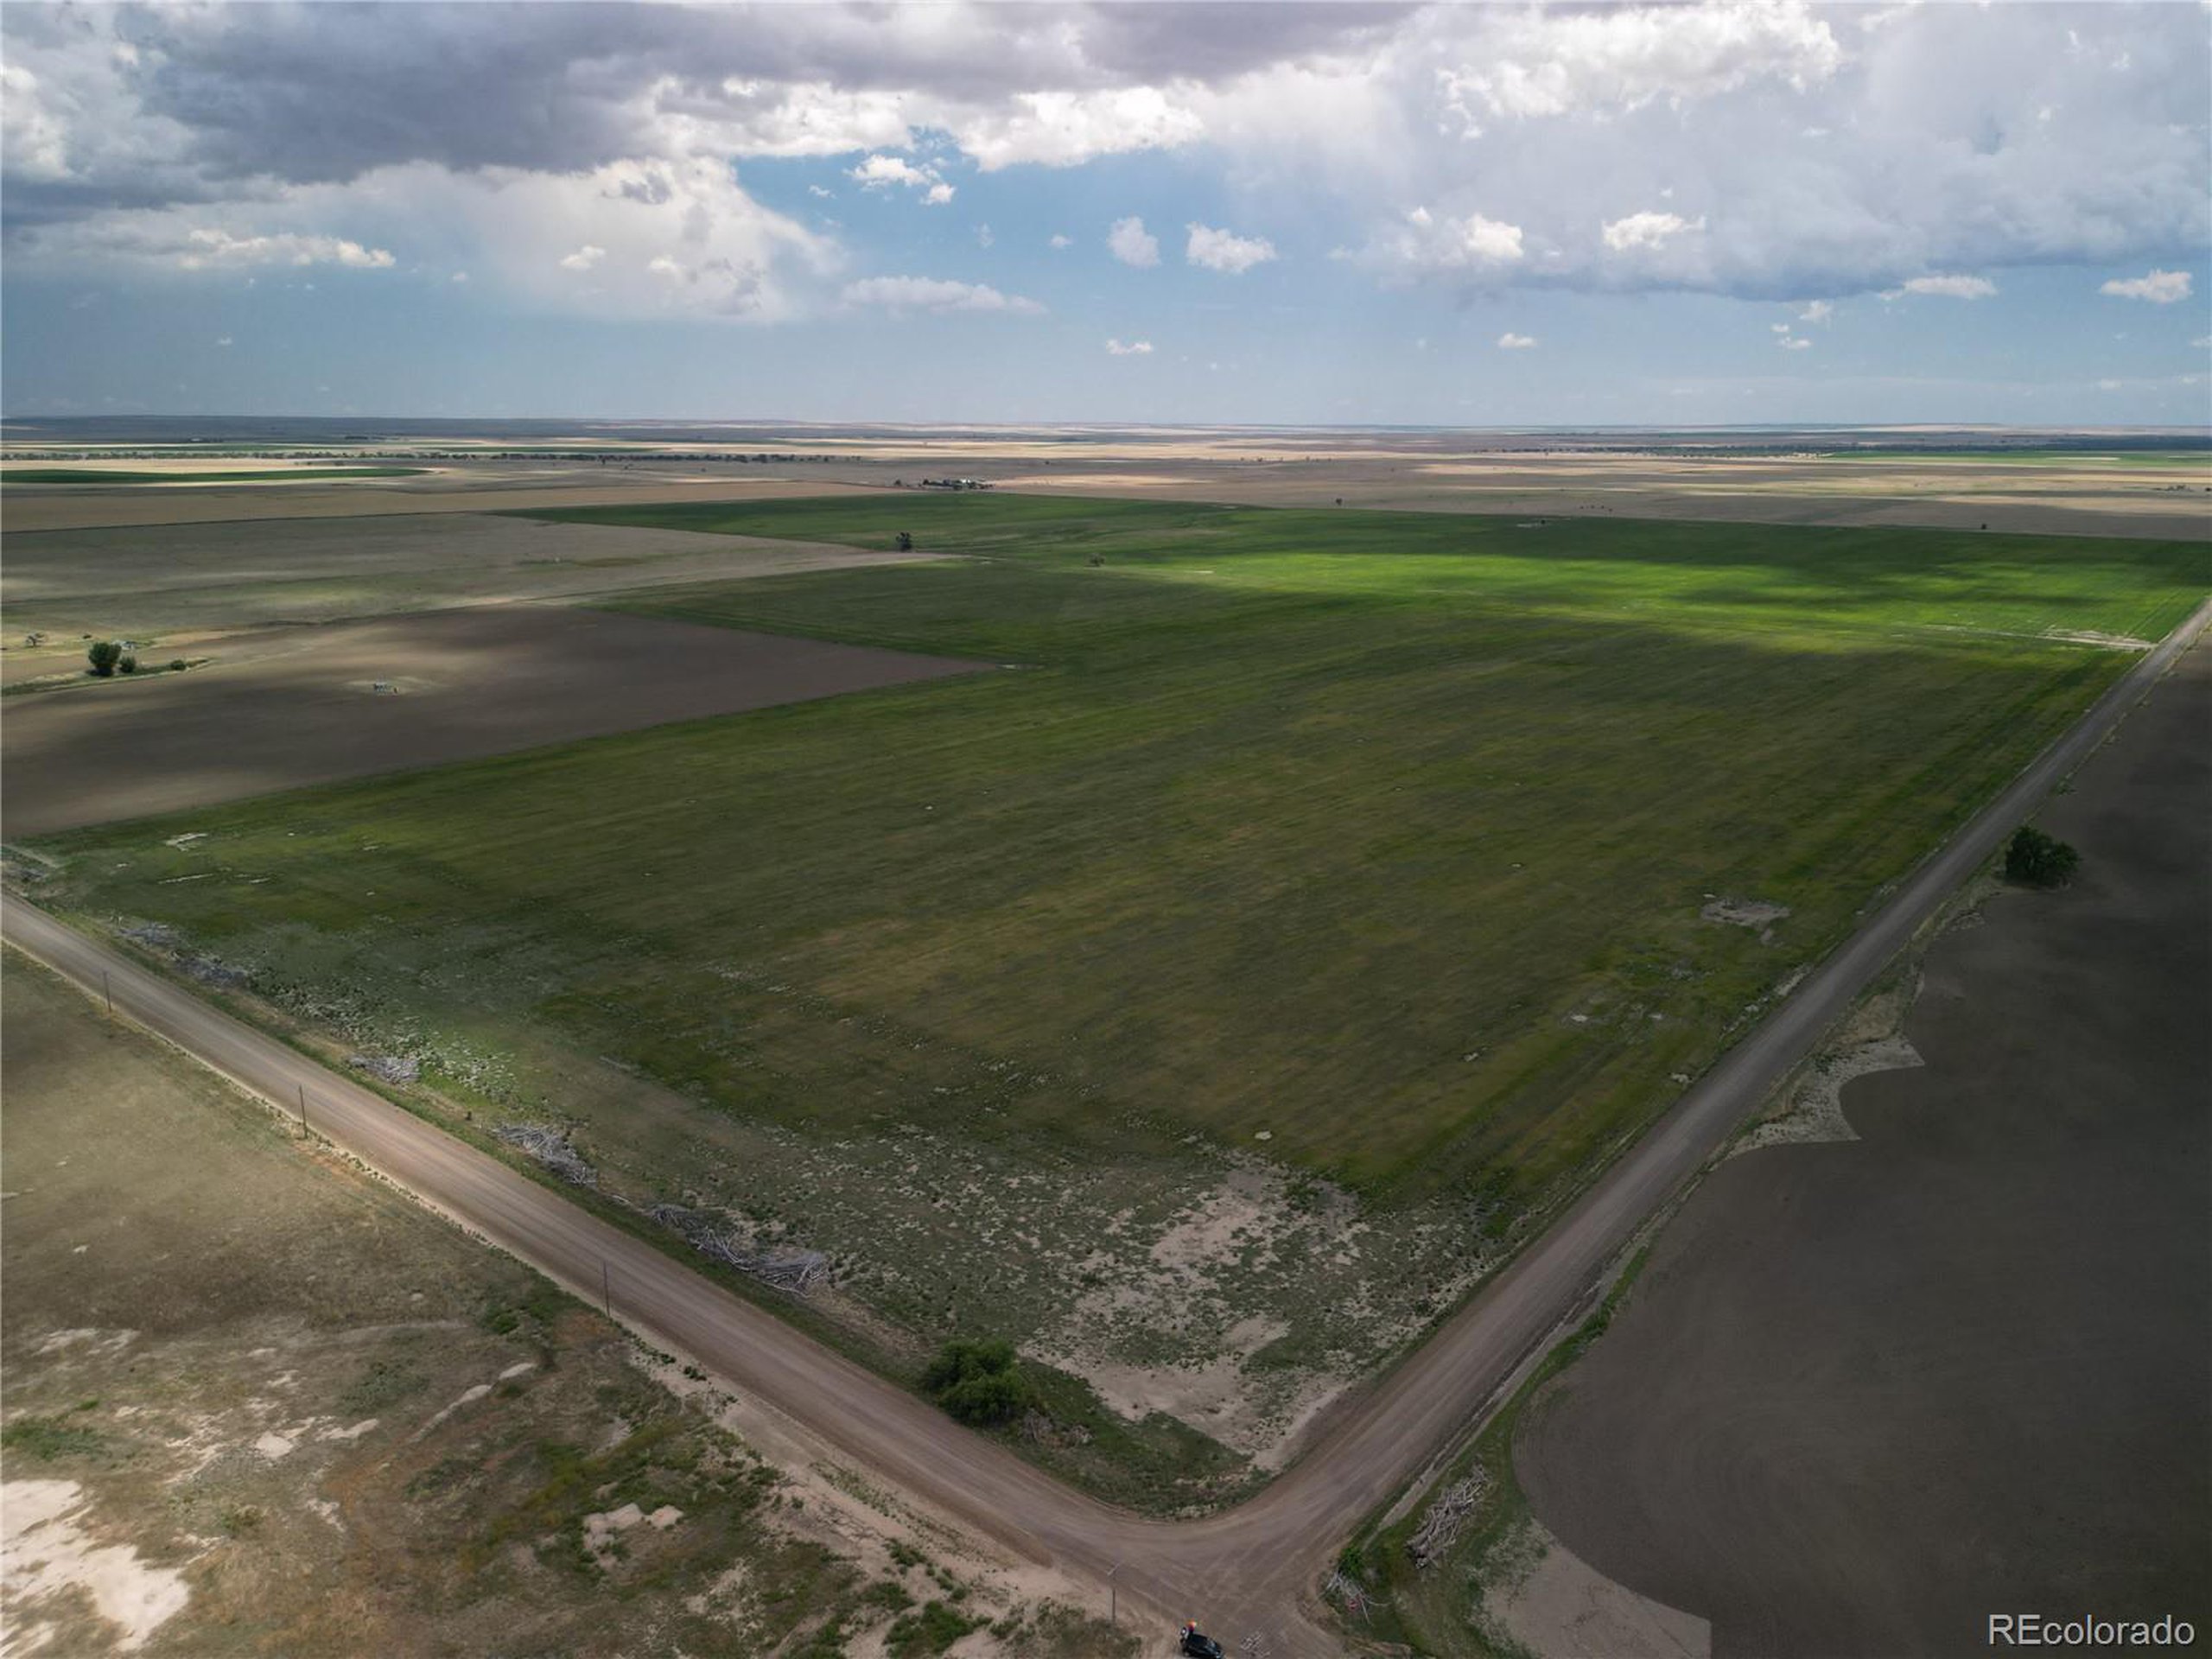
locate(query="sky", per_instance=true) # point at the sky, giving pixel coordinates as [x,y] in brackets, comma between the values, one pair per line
[1705,212]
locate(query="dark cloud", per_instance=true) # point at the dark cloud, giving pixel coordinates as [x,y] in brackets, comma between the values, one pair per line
[322,92]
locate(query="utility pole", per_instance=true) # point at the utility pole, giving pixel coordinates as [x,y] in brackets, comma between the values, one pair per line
[302,1088]
[1113,1597]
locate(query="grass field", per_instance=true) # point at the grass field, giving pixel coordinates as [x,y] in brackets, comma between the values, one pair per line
[1290,816]
[117,475]
[1379,845]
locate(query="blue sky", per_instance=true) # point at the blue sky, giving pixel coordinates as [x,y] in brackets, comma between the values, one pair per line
[1710,212]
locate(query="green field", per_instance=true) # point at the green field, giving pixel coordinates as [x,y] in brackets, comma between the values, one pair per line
[112,475]
[1383,835]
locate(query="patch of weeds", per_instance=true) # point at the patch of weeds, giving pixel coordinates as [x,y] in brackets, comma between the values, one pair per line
[451,1472]
[47,1438]
[1158,1463]
[240,1521]
[570,1488]
[933,1629]
[1065,1633]
[888,1595]
[385,1383]
[536,1315]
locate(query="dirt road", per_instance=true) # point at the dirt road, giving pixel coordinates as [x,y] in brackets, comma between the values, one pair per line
[1248,1572]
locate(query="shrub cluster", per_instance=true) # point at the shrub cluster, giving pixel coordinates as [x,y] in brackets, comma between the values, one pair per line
[977,1382]
[2036,860]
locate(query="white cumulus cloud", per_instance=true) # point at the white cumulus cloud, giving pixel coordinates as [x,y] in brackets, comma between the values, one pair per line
[217,247]
[933,294]
[880,172]
[1646,230]
[1509,341]
[1621,58]
[1952,287]
[1132,243]
[1129,347]
[1064,129]
[2159,287]
[1224,251]
[1425,244]
[584,258]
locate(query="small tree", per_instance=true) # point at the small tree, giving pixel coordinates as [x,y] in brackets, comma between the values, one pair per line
[978,1382]
[905,543]
[2036,860]
[103,655]
[127,664]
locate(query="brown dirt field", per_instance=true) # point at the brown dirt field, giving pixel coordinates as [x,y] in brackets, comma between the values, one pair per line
[465,487]
[1868,1393]
[471,682]
[1438,471]
[186,586]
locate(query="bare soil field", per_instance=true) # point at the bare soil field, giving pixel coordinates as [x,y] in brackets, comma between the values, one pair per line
[2056,493]
[479,486]
[1869,1392]
[183,590]
[314,705]
[257,1402]
[2062,500]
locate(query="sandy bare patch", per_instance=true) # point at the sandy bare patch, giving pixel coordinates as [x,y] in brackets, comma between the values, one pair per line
[1815,1110]
[1181,1309]
[2091,636]
[486,682]
[47,1552]
[1808,1106]
[1556,1605]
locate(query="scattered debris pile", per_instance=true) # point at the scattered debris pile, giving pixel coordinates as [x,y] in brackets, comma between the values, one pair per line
[1440,1529]
[551,1147]
[1341,1590]
[796,1271]
[391,1068]
[209,971]
[165,940]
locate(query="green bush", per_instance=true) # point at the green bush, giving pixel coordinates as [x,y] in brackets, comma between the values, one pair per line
[977,1382]
[933,1630]
[2036,860]
[102,654]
